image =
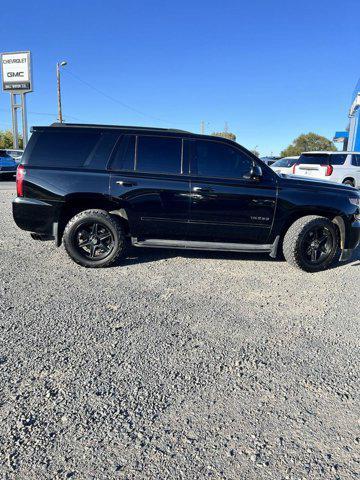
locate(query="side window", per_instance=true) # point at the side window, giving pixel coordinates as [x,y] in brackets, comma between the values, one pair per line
[159,155]
[125,154]
[62,148]
[338,159]
[215,159]
[355,160]
[102,151]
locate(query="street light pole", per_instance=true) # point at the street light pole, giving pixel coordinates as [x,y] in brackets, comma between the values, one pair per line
[58,65]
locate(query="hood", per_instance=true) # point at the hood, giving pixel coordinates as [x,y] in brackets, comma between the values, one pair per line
[297,181]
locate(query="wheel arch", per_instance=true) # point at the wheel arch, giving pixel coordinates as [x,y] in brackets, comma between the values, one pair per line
[352,179]
[77,203]
[336,219]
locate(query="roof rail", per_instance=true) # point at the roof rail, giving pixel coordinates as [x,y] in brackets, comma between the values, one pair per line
[95,125]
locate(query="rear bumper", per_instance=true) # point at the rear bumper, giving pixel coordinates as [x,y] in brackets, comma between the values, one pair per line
[34,215]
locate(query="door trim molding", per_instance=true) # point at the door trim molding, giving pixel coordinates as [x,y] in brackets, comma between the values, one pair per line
[204,222]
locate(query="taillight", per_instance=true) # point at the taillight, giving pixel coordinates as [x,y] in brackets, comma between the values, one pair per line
[329,170]
[294,166]
[20,173]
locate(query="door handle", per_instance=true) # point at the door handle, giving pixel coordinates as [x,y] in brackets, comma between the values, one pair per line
[202,189]
[126,184]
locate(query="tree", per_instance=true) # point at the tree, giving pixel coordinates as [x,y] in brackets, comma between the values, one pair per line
[255,152]
[308,142]
[6,140]
[229,135]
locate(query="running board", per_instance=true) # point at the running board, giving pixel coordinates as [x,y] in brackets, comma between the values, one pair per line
[215,246]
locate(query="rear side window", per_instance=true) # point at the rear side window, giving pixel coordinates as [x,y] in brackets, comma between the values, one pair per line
[337,159]
[102,151]
[125,155]
[215,159]
[355,160]
[62,149]
[159,155]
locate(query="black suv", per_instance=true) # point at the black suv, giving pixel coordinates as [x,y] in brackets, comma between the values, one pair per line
[100,188]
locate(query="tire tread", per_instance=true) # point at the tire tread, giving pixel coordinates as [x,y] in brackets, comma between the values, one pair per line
[295,233]
[122,243]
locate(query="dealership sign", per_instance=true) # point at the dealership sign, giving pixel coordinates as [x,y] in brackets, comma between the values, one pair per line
[16,72]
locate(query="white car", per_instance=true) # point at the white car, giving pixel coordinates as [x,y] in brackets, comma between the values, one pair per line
[284,165]
[269,160]
[341,167]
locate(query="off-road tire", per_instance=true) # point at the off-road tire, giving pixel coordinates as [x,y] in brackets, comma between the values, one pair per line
[101,217]
[292,244]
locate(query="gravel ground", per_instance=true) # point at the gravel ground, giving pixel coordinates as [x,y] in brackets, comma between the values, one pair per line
[175,366]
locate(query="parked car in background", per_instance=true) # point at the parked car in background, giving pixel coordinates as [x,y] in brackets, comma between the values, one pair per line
[98,189]
[269,160]
[341,167]
[8,165]
[15,154]
[284,165]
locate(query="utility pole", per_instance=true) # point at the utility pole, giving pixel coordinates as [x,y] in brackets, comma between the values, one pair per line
[58,65]
[226,127]
[202,127]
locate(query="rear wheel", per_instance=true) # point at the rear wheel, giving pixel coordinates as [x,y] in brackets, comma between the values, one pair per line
[93,238]
[350,182]
[311,243]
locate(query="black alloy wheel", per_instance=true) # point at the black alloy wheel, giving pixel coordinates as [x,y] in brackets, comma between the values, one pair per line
[312,243]
[317,245]
[94,240]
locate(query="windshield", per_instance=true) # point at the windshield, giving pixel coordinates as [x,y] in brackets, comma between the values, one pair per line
[321,159]
[285,162]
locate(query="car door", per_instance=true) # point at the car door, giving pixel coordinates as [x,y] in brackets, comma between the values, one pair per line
[355,163]
[225,205]
[147,181]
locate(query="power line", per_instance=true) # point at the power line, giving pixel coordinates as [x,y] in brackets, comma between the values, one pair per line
[116,100]
[46,114]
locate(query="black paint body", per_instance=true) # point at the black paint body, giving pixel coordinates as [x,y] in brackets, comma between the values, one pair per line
[183,206]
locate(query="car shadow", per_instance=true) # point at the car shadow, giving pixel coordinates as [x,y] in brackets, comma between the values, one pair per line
[138,255]
[355,258]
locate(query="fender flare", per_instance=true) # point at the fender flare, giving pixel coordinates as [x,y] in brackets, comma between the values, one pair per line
[339,221]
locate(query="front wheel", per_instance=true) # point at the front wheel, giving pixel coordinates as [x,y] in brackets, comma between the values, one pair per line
[94,239]
[311,243]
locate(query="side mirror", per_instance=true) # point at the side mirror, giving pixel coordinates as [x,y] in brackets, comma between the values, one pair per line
[254,174]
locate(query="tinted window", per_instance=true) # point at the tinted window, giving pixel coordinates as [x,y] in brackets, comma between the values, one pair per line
[322,159]
[338,159]
[355,160]
[62,149]
[159,155]
[215,159]
[125,155]
[285,162]
[102,151]
[316,159]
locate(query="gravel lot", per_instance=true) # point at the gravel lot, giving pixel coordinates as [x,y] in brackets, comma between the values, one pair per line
[175,366]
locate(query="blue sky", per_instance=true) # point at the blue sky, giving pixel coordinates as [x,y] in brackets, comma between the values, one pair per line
[271,69]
